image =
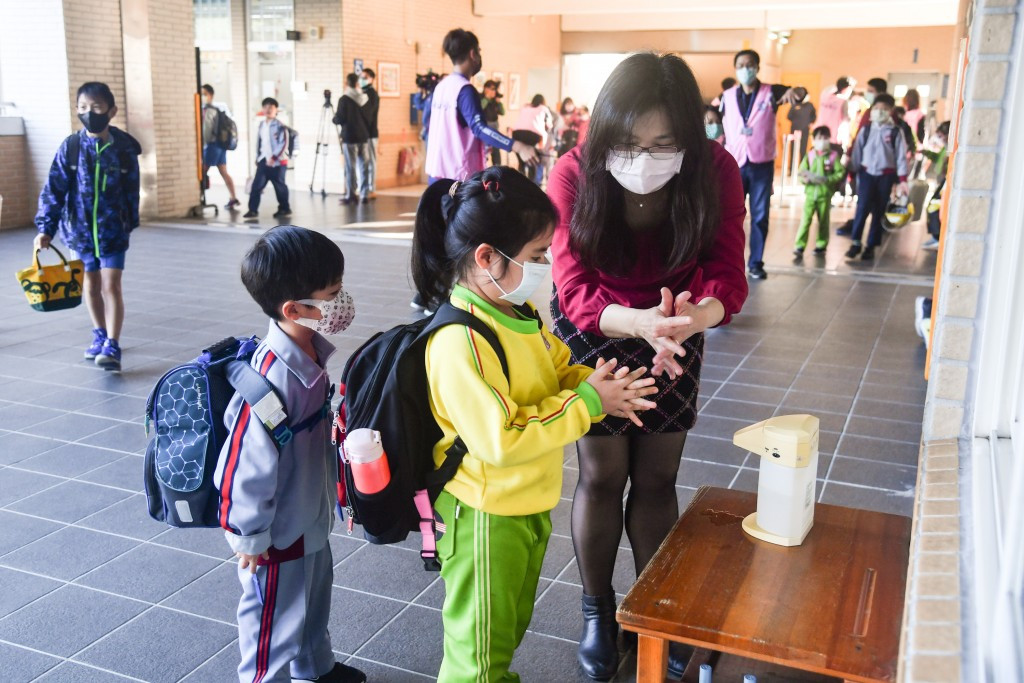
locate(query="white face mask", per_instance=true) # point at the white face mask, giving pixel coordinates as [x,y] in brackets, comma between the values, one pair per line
[643,174]
[746,75]
[880,116]
[533,276]
[821,144]
[336,314]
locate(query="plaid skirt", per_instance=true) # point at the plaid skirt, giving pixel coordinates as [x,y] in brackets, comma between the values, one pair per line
[676,399]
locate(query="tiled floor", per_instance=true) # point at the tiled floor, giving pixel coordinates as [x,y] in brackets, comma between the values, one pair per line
[93,590]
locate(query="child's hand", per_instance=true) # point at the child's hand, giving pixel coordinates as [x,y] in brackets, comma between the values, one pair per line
[42,241]
[249,561]
[622,391]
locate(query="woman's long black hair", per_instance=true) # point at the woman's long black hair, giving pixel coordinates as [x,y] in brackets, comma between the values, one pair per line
[497,206]
[640,84]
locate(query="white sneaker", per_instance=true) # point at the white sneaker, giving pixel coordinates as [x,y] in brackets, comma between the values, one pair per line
[919,319]
[931,245]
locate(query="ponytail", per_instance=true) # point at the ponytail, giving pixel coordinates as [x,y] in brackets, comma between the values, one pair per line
[432,270]
[497,206]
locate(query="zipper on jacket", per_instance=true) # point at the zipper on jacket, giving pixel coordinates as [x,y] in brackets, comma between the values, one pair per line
[96,197]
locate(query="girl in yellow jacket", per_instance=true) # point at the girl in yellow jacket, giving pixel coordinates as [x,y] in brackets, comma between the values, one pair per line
[489,236]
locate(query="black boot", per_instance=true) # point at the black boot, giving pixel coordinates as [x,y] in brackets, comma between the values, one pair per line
[599,652]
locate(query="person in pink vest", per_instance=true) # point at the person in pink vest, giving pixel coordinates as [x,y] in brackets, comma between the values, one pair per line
[459,135]
[748,113]
[832,107]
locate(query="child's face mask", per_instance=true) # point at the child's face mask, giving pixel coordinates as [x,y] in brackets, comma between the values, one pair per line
[533,276]
[880,116]
[822,144]
[336,314]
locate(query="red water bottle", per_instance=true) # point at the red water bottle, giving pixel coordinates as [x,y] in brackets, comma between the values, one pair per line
[365,453]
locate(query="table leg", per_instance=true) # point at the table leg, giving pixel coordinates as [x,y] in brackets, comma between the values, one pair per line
[651,659]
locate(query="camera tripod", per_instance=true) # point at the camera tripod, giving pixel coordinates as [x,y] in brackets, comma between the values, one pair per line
[323,142]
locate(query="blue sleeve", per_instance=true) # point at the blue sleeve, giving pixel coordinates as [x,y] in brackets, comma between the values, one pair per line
[473,116]
[54,194]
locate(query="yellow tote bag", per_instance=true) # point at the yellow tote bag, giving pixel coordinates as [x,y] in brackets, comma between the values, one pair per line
[52,288]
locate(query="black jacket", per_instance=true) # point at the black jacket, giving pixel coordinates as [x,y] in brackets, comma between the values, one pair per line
[351,118]
[371,109]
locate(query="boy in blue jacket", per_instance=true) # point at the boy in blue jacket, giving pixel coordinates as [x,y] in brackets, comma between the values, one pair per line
[92,197]
[277,501]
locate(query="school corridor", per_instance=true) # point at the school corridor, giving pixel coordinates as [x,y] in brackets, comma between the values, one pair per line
[94,590]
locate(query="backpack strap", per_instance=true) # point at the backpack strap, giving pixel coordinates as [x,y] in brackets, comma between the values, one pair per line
[261,396]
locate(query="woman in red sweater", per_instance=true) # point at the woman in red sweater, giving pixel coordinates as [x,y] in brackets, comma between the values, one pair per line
[648,254]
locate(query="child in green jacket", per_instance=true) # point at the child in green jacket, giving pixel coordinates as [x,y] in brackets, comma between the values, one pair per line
[821,172]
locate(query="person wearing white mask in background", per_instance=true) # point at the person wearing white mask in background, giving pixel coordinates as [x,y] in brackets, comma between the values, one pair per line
[748,113]
[876,86]
[647,255]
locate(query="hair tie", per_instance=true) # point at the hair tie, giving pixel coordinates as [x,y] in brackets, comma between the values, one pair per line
[453,188]
[491,186]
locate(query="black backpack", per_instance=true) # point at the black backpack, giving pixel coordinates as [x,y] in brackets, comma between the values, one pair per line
[385,389]
[227,131]
[185,411]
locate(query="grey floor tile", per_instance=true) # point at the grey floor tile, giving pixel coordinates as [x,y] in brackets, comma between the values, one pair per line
[21,529]
[879,500]
[747,392]
[185,642]
[124,473]
[214,595]
[129,517]
[558,612]
[74,399]
[879,450]
[210,542]
[901,394]
[889,411]
[70,501]
[128,408]
[21,415]
[223,666]
[71,427]
[123,436]
[21,588]
[71,672]
[51,555]
[148,572]
[15,447]
[356,617]
[877,475]
[684,495]
[384,570]
[717,450]
[69,460]
[68,619]
[694,474]
[561,518]
[20,484]
[541,658]
[721,427]
[557,557]
[434,595]
[763,378]
[746,480]
[889,430]
[740,410]
[422,654]
[19,664]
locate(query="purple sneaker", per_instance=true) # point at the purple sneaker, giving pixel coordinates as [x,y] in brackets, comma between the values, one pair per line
[110,357]
[99,336]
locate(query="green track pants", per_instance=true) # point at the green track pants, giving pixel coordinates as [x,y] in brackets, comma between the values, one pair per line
[821,208]
[490,565]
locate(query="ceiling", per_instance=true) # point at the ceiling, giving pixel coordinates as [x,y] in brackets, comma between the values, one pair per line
[668,15]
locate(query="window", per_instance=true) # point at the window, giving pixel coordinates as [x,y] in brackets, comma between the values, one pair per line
[213,24]
[270,19]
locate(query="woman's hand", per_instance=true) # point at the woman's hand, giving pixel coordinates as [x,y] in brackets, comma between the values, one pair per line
[682,308]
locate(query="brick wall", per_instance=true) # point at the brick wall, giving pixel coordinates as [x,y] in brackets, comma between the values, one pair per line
[941,573]
[19,201]
[34,77]
[94,52]
[172,59]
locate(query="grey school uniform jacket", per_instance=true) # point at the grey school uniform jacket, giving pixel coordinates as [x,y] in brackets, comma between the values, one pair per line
[281,500]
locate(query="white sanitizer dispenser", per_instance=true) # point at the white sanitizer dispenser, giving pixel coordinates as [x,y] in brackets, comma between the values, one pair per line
[788,447]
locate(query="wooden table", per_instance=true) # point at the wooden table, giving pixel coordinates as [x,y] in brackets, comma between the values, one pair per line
[833,605]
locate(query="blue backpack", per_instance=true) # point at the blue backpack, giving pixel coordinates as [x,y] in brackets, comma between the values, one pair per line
[185,419]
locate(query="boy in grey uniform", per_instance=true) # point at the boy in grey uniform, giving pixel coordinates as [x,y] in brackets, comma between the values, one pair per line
[277,502]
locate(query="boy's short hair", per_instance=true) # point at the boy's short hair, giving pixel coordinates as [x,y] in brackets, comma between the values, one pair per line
[459,43]
[943,128]
[728,82]
[821,131]
[289,263]
[490,84]
[709,109]
[879,84]
[842,83]
[352,80]
[270,100]
[898,110]
[748,53]
[208,88]
[884,98]
[97,91]
[370,72]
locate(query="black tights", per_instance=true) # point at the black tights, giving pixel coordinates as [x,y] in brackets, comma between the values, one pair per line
[650,463]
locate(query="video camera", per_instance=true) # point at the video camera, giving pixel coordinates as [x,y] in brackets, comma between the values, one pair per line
[327,96]
[427,81]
